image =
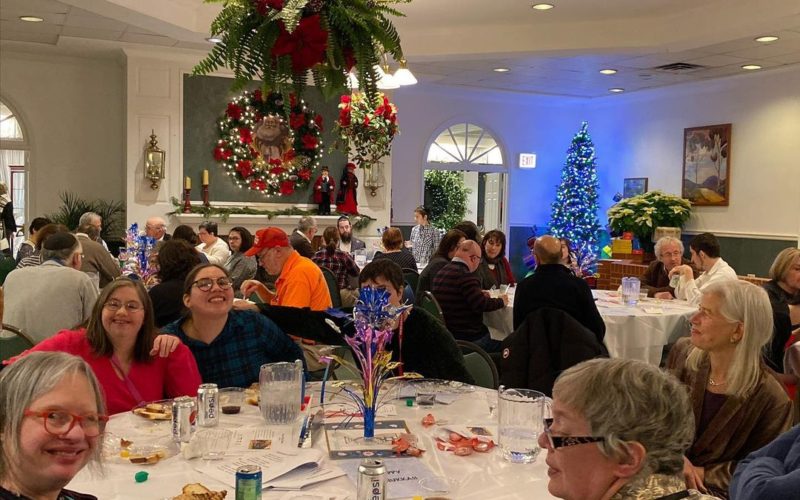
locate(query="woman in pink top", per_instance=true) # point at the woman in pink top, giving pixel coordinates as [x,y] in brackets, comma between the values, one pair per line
[132,362]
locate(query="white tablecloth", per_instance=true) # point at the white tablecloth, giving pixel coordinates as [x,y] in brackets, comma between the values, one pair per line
[482,475]
[639,332]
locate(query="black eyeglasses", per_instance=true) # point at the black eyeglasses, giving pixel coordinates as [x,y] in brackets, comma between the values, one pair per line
[557,442]
[59,423]
[206,284]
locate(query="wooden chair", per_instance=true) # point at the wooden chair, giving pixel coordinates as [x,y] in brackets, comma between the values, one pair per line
[428,302]
[479,365]
[333,287]
[11,346]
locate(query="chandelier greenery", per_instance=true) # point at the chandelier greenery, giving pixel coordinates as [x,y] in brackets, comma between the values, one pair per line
[280,41]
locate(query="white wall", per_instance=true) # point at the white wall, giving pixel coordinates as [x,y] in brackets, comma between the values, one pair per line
[72,109]
[641,135]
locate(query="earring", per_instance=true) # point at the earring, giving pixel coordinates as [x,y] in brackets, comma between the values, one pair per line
[734,340]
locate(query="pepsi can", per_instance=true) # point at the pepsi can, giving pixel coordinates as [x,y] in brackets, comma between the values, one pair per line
[371,480]
[208,405]
[184,413]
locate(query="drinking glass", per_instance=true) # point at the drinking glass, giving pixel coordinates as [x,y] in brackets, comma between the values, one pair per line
[520,413]
[360,256]
[214,443]
[231,399]
[280,385]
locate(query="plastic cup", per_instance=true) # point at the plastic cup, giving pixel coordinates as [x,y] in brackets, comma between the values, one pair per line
[231,400]
[214,443]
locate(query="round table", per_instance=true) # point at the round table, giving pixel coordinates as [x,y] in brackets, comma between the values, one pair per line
[481,475]
[637,332]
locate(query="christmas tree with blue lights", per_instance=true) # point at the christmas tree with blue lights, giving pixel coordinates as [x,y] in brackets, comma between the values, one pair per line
[574,214]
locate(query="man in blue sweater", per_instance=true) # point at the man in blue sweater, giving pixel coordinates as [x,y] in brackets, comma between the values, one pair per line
[770,473]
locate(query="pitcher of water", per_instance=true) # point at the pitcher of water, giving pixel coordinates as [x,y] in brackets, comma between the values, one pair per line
[521,414]
[630,291]
[281,386]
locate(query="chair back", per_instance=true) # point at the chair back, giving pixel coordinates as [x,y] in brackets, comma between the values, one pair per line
[412,277]
[479,365]
[333,287]
[16,343]
[428,302]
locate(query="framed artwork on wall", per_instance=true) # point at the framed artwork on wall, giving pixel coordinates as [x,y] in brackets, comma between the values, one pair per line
[707,164]
[633,186]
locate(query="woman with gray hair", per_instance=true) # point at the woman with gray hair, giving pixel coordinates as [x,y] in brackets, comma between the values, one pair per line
[738,404]
[669,254]
[51,418]
[619,431]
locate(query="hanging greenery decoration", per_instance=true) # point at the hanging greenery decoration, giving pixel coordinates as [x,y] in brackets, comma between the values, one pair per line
[446,195]
[366,129]
[266,149]
[280,41]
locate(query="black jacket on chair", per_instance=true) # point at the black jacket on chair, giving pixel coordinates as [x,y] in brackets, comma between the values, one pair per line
[548,342]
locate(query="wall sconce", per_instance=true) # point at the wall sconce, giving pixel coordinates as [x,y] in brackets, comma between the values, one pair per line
[154,161]
[373,177]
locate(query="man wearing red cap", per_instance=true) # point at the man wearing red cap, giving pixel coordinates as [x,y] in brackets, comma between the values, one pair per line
[300,282]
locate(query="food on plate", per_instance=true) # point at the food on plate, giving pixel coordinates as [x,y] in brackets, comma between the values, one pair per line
[251,394]
[196,491]
[154,411]
[147,459]
[124,443]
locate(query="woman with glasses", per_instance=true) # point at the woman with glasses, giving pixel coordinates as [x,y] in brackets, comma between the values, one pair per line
[132,362]
[739,406]
[619,431]
[230,345]
[51,418]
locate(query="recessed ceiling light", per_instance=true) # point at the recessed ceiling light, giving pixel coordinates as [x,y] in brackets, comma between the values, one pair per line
[608,71]
[766,39]
[751,67]
[542,6]
[31,19]
[501,70]
[616,90]
[214,39]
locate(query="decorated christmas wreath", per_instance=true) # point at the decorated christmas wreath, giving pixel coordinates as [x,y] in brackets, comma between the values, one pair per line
[266,149]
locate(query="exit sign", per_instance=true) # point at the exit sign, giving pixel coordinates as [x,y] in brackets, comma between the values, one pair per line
[527,160]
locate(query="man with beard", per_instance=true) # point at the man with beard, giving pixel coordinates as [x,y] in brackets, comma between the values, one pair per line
[347,242]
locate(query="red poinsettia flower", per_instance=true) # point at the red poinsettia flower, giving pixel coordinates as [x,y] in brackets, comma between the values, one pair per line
[289,155]
[275,162]
[245,168]
[234,111]
[257,95]
[254,153]
[297,120]
[263,6]
[287,188]
[258,184]
[245,135]
[277,170]
[366,120]
[309,141]
[304,174]
[306,45]
[345,99]
[318,122]
[222,154]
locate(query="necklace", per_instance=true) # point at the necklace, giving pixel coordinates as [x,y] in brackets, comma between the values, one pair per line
[714,384]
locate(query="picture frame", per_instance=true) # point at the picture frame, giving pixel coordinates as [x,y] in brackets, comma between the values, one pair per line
[633,186]
[707,165]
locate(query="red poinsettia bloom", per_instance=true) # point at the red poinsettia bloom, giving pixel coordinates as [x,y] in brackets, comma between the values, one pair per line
[254,153]
[304,174]
[244,167]
[287,188]
[234,111]
[245,135]
[289,155]
[309,141]
[318,122]
[366,120]
[344,118]
[297,120]
[222,154]
[263,6]
[277,170]
[345,99]
[305,46]
[275,162]
[258,184]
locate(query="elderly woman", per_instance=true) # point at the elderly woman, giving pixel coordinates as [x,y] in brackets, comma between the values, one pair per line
[392,240]
[494,269]
[424,237]
[619,431]
[444,253]
[340,263]
[784,296]
[230,346]
[176,258]
[51,418]
[240,266]
[132,362]
[738,405]
[669,254]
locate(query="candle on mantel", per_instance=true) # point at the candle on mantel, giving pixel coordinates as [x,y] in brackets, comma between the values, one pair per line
[205,177]
[187,183]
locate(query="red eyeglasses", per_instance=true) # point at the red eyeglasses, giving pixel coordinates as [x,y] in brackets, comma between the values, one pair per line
[59,422]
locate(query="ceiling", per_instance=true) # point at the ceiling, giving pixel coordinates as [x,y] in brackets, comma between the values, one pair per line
[460,42]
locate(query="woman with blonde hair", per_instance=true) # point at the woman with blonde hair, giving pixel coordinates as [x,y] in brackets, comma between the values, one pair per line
[738,404]
[783,289]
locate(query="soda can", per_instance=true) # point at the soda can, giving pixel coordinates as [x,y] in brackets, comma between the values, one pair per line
[208,405]
[184,413]
[248,482]
[371,480]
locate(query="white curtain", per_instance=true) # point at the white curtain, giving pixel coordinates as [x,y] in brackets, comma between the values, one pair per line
[10,157]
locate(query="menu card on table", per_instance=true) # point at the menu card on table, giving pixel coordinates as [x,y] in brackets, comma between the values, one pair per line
[346,438]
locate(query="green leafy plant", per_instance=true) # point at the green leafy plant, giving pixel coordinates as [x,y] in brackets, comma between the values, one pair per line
[280,41]
[73,206]
[446,196]
[643,213]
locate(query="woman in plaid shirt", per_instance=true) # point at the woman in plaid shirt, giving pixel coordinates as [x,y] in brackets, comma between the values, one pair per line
[341,263]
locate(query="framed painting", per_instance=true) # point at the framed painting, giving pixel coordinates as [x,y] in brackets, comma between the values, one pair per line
[633,186]
[707,164]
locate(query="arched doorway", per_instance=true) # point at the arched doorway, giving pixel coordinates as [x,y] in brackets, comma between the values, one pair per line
[14,148]
[464,154]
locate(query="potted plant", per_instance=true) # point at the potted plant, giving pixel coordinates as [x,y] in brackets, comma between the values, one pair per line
[642,214]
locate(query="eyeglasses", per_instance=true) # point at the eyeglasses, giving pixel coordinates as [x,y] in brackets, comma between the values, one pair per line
[116,305]
[671,254]
[557,442]
[59,422]
[206,284]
